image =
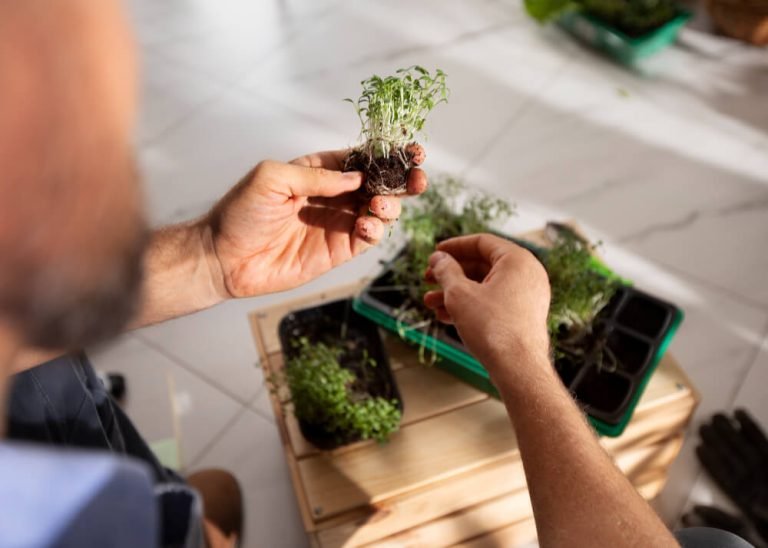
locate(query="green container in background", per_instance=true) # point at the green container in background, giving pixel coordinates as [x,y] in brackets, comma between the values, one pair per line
[625,49]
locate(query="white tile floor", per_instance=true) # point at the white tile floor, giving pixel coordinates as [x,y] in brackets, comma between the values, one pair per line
[667,165]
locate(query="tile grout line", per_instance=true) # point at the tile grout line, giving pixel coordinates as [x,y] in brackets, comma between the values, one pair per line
[181,363]
[252,407]
[517,114]
[216,438]
[244,409]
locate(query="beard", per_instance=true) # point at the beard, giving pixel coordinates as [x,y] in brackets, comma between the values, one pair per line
[66,308]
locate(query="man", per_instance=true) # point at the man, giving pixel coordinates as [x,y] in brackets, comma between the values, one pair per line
[73,248]
[72,252]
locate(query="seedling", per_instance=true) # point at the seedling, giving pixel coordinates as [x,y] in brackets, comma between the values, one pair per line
[448,209]
[328,396]
[578,295]
[392,111]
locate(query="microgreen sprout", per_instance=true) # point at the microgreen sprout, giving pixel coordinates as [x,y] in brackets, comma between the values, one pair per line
[327,395]
[393,110]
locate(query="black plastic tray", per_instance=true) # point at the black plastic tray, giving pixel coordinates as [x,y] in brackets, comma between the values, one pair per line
[639,328]
[324,324]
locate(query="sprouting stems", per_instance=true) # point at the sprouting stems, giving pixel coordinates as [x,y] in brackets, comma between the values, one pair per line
[393,109]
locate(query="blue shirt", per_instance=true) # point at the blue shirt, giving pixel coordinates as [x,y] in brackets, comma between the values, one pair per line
[74,498]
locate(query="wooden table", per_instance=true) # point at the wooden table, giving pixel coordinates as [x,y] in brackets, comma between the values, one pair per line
[452,474]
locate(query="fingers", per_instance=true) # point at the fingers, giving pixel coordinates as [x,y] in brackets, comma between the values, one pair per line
[386,208]
[417,182]
[446,271]
[369,228]
[349,202]
[328,159]
[443,316]
[476,248]
[298,180]
[474,270]
[752,432]
[737,444]
[416,154]
[435,301]
[333,160]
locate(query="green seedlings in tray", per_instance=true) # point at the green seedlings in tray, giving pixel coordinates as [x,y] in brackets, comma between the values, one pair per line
[579,293]
[448,209]
[632,17]
[392,111]
[331,397]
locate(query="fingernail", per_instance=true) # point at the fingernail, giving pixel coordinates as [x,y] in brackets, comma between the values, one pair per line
[436,257]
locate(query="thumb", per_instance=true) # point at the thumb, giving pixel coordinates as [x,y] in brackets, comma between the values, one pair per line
[317,181]
[446,270]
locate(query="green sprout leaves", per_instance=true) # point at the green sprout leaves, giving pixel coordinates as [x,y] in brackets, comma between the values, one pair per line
[394,109]
[579,293]
[449,208]
[327,395]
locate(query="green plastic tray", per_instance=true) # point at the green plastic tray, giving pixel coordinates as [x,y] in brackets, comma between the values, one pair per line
[626,49]
[467,368]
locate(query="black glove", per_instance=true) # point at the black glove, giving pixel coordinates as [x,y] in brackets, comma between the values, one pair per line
[735,453]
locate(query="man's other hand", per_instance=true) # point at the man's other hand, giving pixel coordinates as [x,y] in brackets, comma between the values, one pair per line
[285,224]
[496,294]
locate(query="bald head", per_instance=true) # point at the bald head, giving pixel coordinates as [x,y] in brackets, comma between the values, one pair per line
[70,227]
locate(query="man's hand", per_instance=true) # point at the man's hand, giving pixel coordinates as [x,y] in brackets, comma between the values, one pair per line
[495,292]
[285,224]
[497,295]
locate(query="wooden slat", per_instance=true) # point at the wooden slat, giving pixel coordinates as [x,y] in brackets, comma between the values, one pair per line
[428,503]
[437,499]
[467,523]
[449,444]
[515,507]
[524,532]
[420,453]
[428,392]
[660,387]
[518,534]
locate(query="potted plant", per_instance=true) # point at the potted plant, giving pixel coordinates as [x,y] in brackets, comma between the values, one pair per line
[337,380]
[628,30]
[392,111]
[607,337]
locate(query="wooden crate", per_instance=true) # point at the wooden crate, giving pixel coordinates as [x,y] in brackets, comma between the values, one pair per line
[452,474]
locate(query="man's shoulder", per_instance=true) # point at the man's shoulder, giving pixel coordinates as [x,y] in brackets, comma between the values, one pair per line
[74,498]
